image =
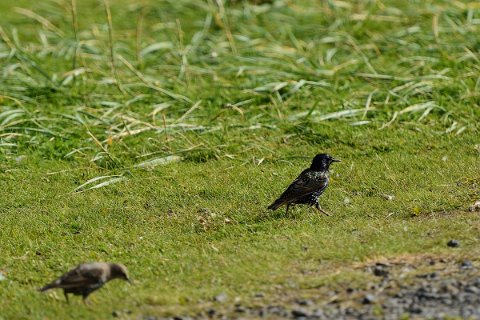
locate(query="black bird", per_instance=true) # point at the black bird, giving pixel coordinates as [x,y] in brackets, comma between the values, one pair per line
[308,186]
[88,277]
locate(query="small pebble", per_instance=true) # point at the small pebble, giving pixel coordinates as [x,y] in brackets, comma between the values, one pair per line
[380,271]
[466,264]
[275,310]
[318,313]
[415,310]
[21,158]
[476,282]
[369,299]
[453,243]
[240,309]
[297,313]
[472,289]
[475,207]
[211,312]
[351,312]
[304,302]
[450,288]
[388,197]
[222,297]
[432,275]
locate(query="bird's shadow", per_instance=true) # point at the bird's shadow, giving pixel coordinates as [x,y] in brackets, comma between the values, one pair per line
[268,215]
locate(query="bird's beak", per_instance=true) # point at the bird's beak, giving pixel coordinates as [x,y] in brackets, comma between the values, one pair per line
[336,160]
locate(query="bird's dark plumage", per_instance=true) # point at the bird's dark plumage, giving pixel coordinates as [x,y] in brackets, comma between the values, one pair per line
[88,277]
[308,186]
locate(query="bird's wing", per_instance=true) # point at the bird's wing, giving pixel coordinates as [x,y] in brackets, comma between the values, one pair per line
[81,276]
[304,184]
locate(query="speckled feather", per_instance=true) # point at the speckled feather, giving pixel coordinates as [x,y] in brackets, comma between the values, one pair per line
[308,186]
[305,189]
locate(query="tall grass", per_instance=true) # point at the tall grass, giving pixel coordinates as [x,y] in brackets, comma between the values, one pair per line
[189,78]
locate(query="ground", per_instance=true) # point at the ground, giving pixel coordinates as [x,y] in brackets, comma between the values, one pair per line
[156,134]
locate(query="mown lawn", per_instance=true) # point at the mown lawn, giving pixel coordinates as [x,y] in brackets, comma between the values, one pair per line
[167,161]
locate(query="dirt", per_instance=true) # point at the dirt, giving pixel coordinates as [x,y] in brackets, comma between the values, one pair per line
[426,288]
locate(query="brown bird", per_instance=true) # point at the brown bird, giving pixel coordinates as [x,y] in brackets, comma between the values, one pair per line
[88,277]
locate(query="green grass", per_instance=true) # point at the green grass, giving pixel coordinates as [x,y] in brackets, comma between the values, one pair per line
[245,95]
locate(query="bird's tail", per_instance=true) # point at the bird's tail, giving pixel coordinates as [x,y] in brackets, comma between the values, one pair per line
[275,205]
[48,286]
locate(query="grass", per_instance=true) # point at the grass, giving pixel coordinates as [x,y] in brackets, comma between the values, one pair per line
[155,134]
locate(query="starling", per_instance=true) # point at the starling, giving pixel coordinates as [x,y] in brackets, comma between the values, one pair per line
[88,277]
[308,186]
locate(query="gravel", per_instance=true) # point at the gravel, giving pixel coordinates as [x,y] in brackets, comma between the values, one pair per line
[438,289]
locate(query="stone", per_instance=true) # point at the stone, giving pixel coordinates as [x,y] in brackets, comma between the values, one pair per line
[369,299]
[298,313]
[221,298]
[453,243]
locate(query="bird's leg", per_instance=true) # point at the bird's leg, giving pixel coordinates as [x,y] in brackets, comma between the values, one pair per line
[317,206]
[286,212]
[66,296]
